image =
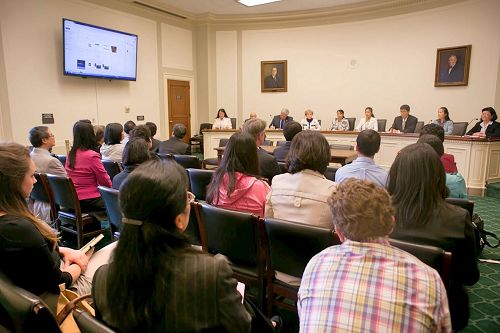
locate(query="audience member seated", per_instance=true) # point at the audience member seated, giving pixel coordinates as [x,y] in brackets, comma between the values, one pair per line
[268,167]
[234,184]
[135,153]
[85,168]
[222,121]
[127,128]
[444,120]
[302,194]
[43,140]
[369,121]
[448,160]
[340,123]
[309,123]
[405,123]
[417,185]
[170,287]
[112,149]
[488,127]
[174,145]
[280,120]
[454,181]
[365,284]
[99,136]
[155,143]
[364,167]
[30,255]
[290,130]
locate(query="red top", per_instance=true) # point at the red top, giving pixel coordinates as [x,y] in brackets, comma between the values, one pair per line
[449,163]
[88,174]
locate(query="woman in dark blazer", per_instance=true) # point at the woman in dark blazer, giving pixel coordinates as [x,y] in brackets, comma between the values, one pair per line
[417,184]
[488,126]
[157,282]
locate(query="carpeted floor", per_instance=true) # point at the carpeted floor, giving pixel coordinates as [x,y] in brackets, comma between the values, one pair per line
[485,295]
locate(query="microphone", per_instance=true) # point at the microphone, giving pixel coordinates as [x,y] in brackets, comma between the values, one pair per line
[473,119]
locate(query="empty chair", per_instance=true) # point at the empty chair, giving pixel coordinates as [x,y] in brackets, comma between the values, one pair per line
[41,192]
[70,217]
[233,123]
[214,161]
[459,128]
[420,125]
[188,161]
[351,123]
[381,123]
[238,236]
[197,140]
[110,198]
[112,168]
[290,247]
[198,181]
[89,324]
[433,256]
[466,204]
[341,147]
[21,311]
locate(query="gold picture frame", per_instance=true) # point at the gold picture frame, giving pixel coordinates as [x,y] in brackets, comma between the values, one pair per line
[273,76]
[452,66]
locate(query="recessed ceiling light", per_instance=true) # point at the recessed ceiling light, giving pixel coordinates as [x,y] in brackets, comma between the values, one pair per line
[250,3]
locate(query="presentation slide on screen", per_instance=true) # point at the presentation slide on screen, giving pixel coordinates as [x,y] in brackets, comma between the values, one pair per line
[98,52]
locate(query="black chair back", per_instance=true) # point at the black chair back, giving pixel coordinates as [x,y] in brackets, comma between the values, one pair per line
[351,123]
[420,125]
[433,256]
[89,324]
[204,126]
[64,192]
[198,181]
[61,158]
[459,128]
[188,161]
[21,311]
[291,244]
[466,204]
[112,168]
[42,192]
[381,123]
[330,173]
[112,203]
[193,230]
[233,123]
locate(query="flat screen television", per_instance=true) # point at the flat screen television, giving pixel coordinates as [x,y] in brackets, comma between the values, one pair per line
[92,51]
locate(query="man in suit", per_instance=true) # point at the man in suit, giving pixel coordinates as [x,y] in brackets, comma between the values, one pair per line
[280,120]
[290,130]
[252,115]
[175,145]
[454,72]
[274,80]
[155,142]
[43,140]
[268,167]
[405,123]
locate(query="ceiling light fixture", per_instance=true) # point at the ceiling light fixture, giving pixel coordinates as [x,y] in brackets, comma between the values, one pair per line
[251,3]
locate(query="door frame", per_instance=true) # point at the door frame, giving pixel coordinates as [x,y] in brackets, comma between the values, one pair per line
[192,101]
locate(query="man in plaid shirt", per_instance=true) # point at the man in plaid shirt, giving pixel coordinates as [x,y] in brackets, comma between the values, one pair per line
[364,284]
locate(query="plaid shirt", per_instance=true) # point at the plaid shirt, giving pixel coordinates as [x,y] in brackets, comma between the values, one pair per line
[371,287]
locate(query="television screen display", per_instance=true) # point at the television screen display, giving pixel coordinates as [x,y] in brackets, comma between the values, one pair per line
[92,51]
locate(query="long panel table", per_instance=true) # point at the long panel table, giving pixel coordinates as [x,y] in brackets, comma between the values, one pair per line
[478,160]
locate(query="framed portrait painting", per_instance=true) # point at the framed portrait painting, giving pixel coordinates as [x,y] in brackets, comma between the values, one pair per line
[273,76]
[452,66]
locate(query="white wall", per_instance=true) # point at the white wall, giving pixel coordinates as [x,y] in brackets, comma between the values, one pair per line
[226,65]
[395,63]
[32,44]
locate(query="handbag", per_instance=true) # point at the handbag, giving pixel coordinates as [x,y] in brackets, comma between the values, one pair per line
[482,235]
[69,300]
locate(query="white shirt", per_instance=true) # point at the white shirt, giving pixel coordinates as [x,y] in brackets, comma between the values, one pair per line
[371,124]
[224,123]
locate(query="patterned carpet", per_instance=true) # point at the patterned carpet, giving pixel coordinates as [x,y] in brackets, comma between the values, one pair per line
[485,295]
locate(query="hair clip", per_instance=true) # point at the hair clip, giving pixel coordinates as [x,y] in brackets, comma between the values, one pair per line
[131,221]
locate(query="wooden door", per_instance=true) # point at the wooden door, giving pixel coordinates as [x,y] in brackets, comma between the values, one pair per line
[178,106]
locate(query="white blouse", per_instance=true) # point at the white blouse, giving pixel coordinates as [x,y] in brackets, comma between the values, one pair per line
[313,125]
[371,124]
[224,123]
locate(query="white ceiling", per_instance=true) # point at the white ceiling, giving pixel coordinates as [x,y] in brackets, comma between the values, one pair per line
[232,7]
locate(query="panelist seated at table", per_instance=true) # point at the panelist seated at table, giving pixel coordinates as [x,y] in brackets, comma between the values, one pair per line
[309,123]
[280,120]
[222,121]
[405,123]
[369,121]
[488,127]
[444,120]
[340,123]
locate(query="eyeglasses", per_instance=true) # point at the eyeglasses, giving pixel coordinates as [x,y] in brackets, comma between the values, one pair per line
[190,197]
